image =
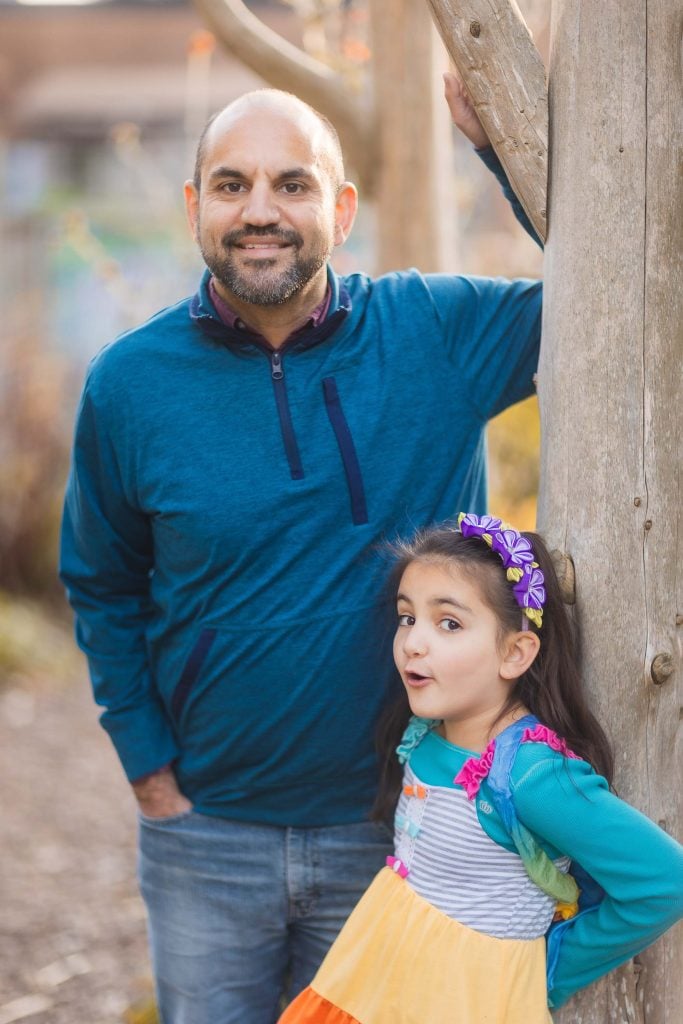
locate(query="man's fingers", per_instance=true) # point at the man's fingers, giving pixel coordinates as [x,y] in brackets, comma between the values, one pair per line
[462,110]
[457,96]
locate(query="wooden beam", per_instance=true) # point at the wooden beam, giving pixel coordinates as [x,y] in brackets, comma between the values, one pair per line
[491,46]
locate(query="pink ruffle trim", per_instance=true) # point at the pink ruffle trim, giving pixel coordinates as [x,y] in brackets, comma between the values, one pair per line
[474,771]
[542,734]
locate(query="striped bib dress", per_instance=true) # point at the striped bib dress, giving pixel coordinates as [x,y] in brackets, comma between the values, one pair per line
[451,931]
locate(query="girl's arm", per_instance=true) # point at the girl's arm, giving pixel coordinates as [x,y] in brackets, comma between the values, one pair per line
[565,804]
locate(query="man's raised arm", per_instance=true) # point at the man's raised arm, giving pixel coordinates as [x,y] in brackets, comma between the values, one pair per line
[465,119]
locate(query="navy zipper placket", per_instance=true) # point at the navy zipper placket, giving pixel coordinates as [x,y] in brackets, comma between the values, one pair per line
[218,330]
[277,374]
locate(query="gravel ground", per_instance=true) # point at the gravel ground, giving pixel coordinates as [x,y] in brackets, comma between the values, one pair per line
[72,926]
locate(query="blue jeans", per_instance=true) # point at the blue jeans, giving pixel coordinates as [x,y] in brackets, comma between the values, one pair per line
[242,914]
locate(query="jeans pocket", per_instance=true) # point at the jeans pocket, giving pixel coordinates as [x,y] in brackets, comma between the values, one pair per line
[171,819]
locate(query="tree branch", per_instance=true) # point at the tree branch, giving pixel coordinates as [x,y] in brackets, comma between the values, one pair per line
[490,44]
[285,66]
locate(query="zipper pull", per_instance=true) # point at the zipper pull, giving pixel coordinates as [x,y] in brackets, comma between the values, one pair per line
[276,370]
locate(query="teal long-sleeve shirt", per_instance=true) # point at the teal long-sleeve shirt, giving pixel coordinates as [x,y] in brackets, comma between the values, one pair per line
[570,810]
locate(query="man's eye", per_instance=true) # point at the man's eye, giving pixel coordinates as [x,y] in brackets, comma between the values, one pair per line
[293,188]
[233,187]
[406,620]
[449,625]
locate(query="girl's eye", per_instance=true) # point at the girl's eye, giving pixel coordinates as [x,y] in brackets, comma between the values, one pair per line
[449,625]
[406,620]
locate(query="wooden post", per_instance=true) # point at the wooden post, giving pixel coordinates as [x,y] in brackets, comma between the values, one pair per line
[491,47]
[610,393]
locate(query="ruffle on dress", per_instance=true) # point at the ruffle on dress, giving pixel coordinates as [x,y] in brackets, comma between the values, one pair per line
[476,769]
[415,732]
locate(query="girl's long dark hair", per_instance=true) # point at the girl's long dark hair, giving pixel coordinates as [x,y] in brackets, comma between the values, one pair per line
[551,688]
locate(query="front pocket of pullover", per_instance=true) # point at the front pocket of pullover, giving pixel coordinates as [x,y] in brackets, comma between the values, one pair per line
[191,671]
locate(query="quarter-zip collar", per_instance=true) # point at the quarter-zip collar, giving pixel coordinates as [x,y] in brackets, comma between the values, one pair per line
[203,314]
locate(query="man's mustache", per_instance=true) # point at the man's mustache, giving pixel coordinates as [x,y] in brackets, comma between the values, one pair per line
[288,237]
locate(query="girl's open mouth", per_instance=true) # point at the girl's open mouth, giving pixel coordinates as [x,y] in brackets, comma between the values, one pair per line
[415,679]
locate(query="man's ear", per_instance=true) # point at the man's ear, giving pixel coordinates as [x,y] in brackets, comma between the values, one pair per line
[519,651]
[192,207]
[345,208]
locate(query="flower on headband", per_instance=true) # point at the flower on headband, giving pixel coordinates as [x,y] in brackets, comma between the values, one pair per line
[472,525]
[515,550]
[530,591]
[530,594]
[517,556]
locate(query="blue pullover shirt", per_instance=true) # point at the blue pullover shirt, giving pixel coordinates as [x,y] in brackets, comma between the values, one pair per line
[227,514]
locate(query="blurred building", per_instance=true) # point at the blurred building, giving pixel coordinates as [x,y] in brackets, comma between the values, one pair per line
[101,103]
[100,107]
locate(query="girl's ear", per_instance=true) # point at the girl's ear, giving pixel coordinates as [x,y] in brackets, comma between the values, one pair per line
[519,651]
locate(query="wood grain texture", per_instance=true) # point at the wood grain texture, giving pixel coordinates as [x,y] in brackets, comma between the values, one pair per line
[610,386]
[491,47]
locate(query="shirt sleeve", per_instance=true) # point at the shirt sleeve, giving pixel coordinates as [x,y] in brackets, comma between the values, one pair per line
[564,803]
[105,564]
[489,158]
[492,331]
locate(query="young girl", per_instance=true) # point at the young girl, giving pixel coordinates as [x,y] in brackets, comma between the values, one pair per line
[504,794]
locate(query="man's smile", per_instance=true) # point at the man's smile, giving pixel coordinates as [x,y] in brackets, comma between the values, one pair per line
[260,246]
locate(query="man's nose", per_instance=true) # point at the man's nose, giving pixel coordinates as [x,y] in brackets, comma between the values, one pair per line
[260,207]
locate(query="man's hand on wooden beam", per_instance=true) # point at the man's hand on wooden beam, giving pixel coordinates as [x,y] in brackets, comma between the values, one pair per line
[462,111]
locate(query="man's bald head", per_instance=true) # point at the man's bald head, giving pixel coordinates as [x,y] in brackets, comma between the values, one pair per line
[322,132]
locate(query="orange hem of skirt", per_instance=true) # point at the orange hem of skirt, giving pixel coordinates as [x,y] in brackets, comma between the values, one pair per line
[311,1008]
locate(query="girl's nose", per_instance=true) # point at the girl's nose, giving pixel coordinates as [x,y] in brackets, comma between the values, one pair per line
[414,641]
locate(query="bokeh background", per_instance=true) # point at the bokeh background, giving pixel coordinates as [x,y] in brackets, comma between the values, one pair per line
[101,105]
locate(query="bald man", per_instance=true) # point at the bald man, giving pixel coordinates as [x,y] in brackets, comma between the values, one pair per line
[239,462]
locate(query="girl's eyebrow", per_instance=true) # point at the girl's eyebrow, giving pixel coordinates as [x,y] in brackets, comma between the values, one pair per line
[451,601]
[438,601]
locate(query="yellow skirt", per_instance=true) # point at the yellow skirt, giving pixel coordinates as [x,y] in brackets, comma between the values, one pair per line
[399,960]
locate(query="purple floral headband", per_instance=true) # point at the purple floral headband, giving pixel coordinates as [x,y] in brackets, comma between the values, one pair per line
[517,556]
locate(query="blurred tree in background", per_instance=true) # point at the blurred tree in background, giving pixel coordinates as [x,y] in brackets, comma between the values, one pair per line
[33,462]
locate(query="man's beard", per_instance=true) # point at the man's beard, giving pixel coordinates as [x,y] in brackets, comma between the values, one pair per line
[262,284]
